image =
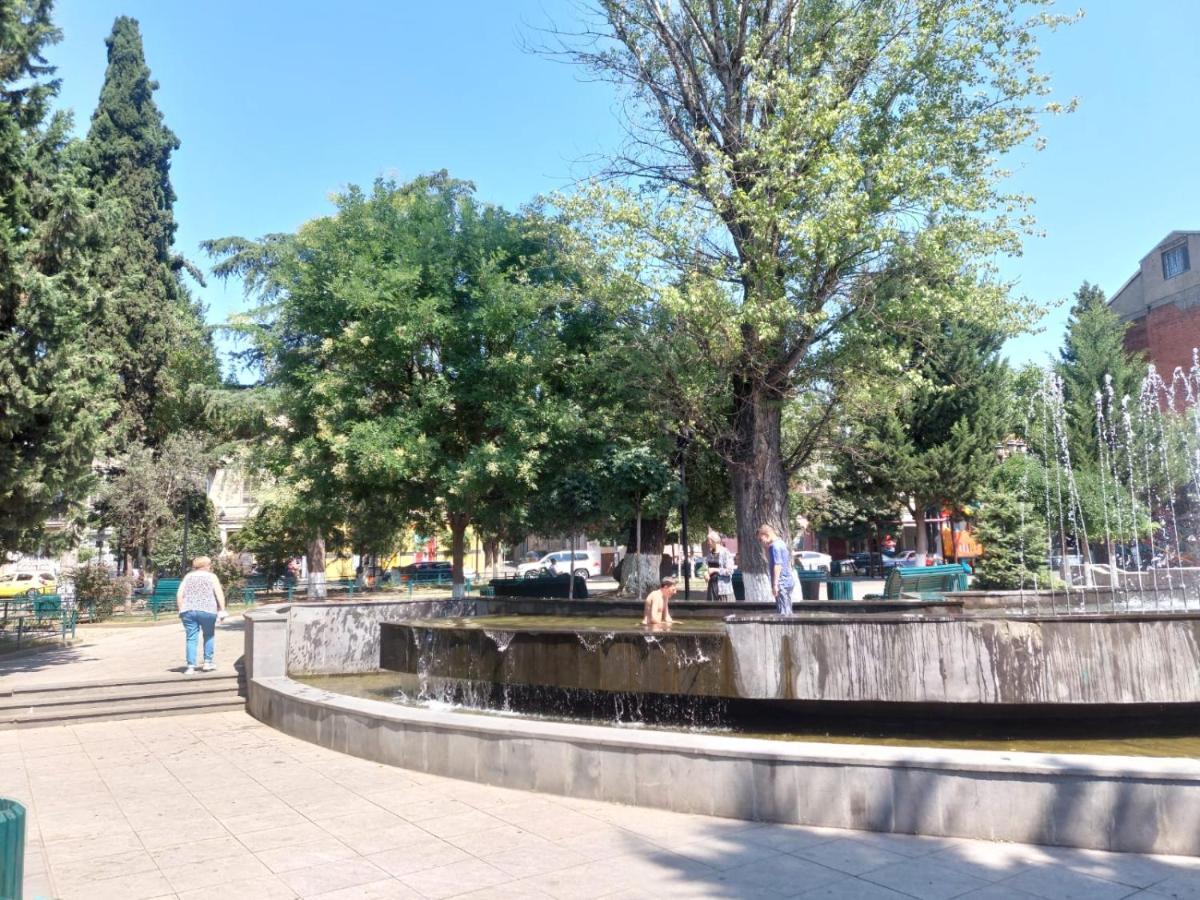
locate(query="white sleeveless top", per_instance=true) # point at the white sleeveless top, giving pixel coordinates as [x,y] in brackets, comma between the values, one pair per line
[198,591]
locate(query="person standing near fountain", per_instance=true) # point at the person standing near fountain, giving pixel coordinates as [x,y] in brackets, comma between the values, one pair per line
[719,562]
[657,611]
[779,562]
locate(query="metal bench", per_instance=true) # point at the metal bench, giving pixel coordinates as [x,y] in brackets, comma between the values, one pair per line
[252,587]
[925,583]
[163,598]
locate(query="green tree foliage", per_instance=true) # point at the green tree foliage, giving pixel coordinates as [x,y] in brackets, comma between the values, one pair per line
[154,328]
[937,446]
[53,377]
[1092,362]
[415,338]
[171,555]
[145,491]
[1011,530]
[803,154]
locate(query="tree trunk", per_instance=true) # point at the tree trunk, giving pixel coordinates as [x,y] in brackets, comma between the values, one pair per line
[315,561]
[759,484]
[922,533]
[654,538]
[458,541]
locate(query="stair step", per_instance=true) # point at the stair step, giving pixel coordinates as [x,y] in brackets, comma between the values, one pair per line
[119,709]
[181,686]
[164,678]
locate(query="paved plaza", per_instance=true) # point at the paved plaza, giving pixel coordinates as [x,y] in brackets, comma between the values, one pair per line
[220,806]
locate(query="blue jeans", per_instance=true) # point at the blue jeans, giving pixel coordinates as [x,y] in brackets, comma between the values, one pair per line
[195,621]
[783,600]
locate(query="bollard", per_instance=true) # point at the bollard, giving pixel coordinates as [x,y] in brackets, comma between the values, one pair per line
[12,849]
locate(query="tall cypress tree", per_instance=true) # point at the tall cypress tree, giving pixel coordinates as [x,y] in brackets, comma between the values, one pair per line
[155,328]
[53,379]
[1094,347]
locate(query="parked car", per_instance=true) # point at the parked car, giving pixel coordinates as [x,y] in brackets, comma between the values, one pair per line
[586,565]
[904,559]
[26,584]
[812,561]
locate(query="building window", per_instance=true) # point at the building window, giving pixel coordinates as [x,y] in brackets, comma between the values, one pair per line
[1175,261]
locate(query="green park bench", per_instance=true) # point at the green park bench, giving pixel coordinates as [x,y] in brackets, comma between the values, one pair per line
[252,588]
[807,587]
[46,613]
[925,583]
[163,597]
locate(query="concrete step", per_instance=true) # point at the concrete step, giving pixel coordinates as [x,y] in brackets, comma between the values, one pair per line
[162,678]
[108,710]
[180,685]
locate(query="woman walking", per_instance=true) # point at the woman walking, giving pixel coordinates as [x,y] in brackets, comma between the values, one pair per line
[719,563]
[201,605]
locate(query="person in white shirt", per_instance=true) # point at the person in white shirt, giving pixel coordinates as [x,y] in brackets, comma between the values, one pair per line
[201,603]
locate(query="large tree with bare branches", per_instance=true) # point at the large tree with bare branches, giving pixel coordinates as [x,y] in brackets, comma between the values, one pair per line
[799,154]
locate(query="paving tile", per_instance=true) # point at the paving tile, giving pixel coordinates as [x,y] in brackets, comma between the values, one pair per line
[323,879]
[998,892]
[495,840]
[1181,886]
[390,889]
[300,856]
[792,838]
[73,872]
[271,838]
[854,889]
[215,872]
[459,823]
[606,843]
[850,855]
[459,878]
[194,852]
[988,860]
[426,853]
[925,878]
[521,862]
[263,887]
[785,875]
[724,853]
[137,886]
[1123,868]
[1058,883]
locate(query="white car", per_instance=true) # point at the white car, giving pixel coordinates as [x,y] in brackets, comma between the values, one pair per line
[587,564]
[812,561]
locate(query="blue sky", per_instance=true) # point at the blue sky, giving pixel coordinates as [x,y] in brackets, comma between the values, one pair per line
[278,104]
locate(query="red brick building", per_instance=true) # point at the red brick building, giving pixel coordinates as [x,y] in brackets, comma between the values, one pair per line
[1162,303]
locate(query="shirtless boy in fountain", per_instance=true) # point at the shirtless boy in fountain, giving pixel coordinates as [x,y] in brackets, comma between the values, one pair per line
[657,611]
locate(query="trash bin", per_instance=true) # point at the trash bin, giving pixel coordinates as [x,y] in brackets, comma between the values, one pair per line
[810,587]
[835,568]
[12,849]
[841,589]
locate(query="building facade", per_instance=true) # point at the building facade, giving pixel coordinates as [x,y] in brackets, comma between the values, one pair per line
[1161,303]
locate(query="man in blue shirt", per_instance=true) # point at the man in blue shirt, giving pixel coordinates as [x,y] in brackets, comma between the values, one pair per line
[779,562]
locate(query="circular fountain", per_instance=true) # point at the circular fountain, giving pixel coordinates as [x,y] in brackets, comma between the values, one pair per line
[511,692]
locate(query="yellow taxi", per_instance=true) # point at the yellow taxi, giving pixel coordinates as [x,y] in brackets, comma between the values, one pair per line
[20,584]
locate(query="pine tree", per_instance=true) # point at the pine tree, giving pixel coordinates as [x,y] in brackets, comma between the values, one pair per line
[1094,348]
[53,379]
[155,329]
[937,446]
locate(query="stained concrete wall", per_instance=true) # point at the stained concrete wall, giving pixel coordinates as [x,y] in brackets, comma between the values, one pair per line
[1122,659]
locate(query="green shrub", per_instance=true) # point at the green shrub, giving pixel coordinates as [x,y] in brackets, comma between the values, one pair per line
[99,584]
